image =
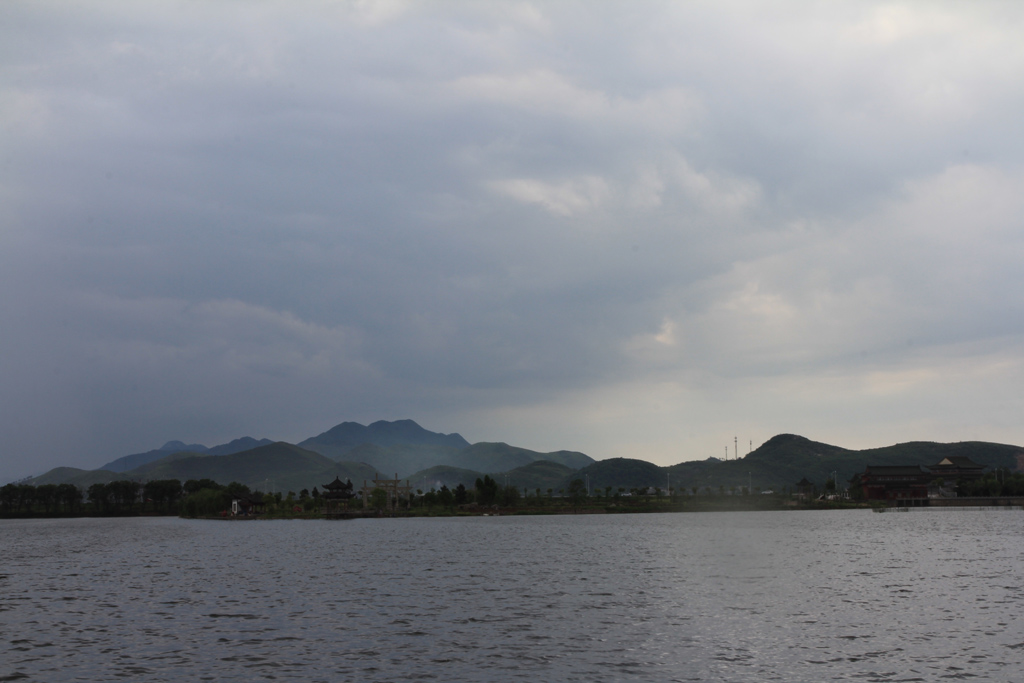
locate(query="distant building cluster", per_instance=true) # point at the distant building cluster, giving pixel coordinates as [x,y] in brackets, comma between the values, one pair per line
[911,482]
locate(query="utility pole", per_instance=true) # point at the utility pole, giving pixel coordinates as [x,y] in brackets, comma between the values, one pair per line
[736,448]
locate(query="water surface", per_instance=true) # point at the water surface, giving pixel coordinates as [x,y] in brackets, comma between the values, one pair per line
[782,596]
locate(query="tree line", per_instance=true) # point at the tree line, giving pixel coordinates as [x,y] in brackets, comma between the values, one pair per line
[123,497]
[1000,482]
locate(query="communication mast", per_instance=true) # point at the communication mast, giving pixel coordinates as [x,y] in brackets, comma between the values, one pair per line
[735,448]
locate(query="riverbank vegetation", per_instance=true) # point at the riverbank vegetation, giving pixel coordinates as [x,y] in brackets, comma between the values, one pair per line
[205,498]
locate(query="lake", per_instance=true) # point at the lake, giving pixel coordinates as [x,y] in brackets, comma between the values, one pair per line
[781,596]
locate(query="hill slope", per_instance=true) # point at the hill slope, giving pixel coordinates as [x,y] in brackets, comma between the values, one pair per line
[337,441]
[539,474]
[500,457]
[400,459]
[130,462]
[626,473]
[433,478]
[83,479]
[279,466]
[785,459]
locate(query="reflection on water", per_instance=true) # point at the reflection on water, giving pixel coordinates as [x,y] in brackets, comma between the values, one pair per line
[789,596]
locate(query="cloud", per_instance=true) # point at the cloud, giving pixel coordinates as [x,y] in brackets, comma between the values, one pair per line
[619,229]
[563,199]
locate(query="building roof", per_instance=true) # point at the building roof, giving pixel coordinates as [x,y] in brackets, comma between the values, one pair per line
[958,461]
[337,490]
[895,470]
[337,485]
[249,499]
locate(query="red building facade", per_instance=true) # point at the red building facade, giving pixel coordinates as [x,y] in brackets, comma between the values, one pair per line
[895,482]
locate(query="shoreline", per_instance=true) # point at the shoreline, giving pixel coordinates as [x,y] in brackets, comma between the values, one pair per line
[633,508]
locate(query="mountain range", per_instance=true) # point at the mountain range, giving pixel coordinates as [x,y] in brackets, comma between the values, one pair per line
[349,451]
[431,460]
[130,462]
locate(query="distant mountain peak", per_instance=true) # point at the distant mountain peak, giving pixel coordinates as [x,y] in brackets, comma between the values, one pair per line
[178,446]
[384,424]
[781,439]
[244,443]
[337,440]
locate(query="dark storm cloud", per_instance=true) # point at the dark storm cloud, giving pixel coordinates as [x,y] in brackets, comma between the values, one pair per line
[560,225]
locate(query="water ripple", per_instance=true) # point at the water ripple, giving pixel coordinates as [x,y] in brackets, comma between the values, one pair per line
[740,597]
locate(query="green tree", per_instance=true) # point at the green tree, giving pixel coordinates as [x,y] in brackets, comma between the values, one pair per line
[203,503]
[577,493]
[46,495]
[486,490]
[446,498]
[99,497]
[509,496]
[378,499]
[125,494]
[193,485]
[26,497]
[8,498]
[165,493]
[69,497]
[461,495]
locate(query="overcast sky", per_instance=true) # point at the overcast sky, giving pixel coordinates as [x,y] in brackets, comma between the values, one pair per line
[637,229]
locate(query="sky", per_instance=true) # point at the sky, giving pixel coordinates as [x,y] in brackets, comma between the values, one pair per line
[637,229]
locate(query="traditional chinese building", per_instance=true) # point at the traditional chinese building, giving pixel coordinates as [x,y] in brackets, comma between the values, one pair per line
[336,495]
[896,482]
[957,467]
[247,504]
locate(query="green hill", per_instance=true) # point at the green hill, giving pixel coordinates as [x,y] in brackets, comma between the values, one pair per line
[540,474]
[337,441]
[785,459]
[437,460]
[83,479]
[500,457]
[618,472]
[401,458]
[279,466]
[443,475]
[401,447]
[571,459]
[492,457]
